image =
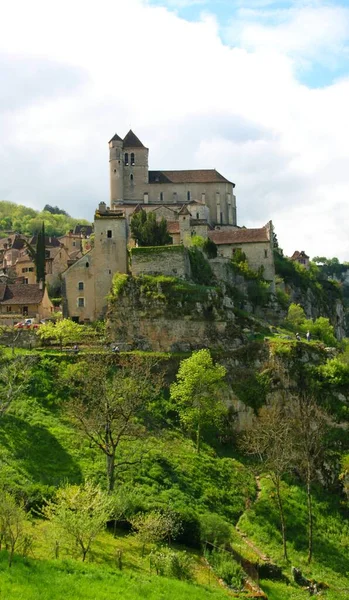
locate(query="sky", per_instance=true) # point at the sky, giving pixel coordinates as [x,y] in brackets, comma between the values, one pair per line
[257,89]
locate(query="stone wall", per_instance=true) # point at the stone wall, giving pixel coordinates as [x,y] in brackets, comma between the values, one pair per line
[170,261]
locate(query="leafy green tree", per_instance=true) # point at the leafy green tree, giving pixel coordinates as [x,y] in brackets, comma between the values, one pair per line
[14,380]
[197,392]
[40,262]
[54,210]
[78,514]
[295,316]
[147,231]
[108,404]
[156,526]
[63,332]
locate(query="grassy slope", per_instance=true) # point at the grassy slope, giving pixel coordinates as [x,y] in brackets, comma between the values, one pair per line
[49,580]
[331,539]
[38,447]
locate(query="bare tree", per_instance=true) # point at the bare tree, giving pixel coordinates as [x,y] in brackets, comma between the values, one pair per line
[108,402]
[308,425]
[268,437]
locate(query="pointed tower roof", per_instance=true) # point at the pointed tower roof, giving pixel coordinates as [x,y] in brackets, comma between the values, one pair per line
[115,138]
[184,211]
[132,141]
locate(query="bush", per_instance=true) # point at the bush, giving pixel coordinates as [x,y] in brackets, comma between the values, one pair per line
[190,535]
[295,316]
[172,564]
[226,568]
[200,269]
[214,529]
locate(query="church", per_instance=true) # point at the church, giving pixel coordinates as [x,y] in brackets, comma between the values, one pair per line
[193,202]
[209,194]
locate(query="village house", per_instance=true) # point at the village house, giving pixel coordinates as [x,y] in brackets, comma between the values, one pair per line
[24,300]
[301,258]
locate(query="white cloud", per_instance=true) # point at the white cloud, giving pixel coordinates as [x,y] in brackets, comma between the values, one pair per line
[76,72]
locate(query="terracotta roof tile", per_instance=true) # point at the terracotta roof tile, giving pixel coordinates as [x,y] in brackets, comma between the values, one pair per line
[192,176]
[173,227]
[19,293]
[239,236]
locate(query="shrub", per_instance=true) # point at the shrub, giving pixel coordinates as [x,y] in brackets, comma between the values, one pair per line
[282,298]
[172,564]
[214,529]
[200,269]
[190,532]
[226,568]
[295,316]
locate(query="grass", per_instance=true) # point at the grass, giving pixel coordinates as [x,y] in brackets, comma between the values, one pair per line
[68,579]
[331,535]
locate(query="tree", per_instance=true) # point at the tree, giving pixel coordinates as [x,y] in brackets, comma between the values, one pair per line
[308,427]
[54,210]
[295,316]
[40,254]
[268,437]
[79,513]
[108,403]
[63,332]
[147,231]
[156,526]
[13,524]
[196,393]
[14,379]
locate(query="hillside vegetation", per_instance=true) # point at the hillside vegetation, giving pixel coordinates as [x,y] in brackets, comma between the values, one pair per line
[22,219]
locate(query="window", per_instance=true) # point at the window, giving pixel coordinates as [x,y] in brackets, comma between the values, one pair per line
[74,244]
[31,269]
[188,196]
[87,264]
[132,158]
[109,233]
[80,285]
[221,217]
[131,176]
[265,253]
[25,270]
[197,216]
[81,302]
[161,196]
[8,308]
[26,280]
[126,158]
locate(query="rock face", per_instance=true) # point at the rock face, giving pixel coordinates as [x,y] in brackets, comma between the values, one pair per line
[163,314]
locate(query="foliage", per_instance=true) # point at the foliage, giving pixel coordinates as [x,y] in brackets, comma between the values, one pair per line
[25,220]
[295,316]
[268,438]
[201,271]
[196,392]
[147,231]
[14,378]
[63,332]
[207,245]
[282,298]
[156,526]
[78,514]
[169,563]
[118,284]
[107,405]
[226,568]
[258,292]
[13,525]
[214,529]
[334,372]
[55,210]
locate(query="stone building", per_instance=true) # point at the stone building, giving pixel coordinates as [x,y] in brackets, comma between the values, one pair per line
[301,258]
[132,183]
[87,282]
[257,245]
[26,300]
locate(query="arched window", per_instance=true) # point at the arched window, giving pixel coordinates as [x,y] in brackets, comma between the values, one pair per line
[126,158]
[132,158]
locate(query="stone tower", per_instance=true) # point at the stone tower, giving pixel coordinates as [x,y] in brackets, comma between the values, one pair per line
[116,170]
[109,253]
